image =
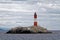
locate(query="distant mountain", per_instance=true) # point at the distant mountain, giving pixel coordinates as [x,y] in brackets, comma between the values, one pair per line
[2,30]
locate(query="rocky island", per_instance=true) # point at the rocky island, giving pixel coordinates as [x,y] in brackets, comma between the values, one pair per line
[25,30]
[31,29]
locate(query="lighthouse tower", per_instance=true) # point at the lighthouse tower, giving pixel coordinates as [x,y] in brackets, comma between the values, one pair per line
[35,19]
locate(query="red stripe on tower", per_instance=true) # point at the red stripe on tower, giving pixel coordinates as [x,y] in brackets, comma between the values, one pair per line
[35,19]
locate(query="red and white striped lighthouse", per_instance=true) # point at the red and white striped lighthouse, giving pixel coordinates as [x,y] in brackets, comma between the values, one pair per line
[35,19]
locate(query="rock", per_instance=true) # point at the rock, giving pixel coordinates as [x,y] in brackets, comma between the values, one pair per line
[30,29]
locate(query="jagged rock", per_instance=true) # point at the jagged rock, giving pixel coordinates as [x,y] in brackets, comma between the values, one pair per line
[30,29]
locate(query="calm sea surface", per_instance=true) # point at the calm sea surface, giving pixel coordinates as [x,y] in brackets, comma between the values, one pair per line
[54,36]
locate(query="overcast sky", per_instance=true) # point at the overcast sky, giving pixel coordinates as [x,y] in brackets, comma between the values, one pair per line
[20,13]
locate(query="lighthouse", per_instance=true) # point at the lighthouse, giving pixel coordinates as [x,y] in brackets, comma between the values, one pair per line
[31,29]
[35,19]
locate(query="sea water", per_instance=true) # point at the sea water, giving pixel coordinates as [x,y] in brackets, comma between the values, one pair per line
[51,36]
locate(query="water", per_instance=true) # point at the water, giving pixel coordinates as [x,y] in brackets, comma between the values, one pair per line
[54,36]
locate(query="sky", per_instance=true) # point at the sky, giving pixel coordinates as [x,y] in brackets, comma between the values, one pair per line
[15,13]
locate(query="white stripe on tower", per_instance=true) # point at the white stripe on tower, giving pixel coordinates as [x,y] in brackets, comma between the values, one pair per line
[35,19]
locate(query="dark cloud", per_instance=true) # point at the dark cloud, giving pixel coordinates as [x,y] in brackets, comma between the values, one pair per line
[49,10]
[5,2]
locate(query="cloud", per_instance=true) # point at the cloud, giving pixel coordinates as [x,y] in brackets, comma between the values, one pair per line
[19,0]
[20,12]
[15,7]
